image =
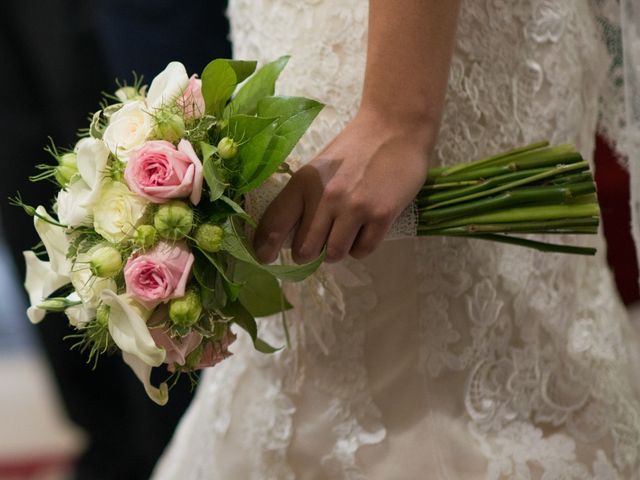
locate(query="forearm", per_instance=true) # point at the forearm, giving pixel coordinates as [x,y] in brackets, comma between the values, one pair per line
[409,52]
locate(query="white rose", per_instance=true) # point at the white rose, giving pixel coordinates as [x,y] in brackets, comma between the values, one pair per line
[128,128]
[167,86]
[117,211]
[75,202]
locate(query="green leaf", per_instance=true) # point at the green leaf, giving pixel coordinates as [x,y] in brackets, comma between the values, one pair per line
[295,115]
[244,127]
[232,288]
[203,273]
[207,150]
[260,85]
[213,292]
[239,211]
[237,246]
[219,80]
[261,293]
[247,322]
[214,176]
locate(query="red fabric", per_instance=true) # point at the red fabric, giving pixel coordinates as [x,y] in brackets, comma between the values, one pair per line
[613,194]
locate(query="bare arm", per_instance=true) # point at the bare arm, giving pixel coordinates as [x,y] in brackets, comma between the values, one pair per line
[347,197]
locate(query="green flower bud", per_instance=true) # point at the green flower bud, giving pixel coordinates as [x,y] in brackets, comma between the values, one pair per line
[145,236]
[185,311]
[66,169]
[173,220]
[169,126]
[57,304]
[209,237]
[105,261]
[127,93]
[102,315]
[227,148]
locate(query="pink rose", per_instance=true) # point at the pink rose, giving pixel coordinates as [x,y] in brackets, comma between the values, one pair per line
[215,352]
[160,274]
[158,171]
[191,101]
[177,348]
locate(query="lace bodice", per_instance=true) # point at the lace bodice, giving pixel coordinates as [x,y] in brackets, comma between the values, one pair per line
[534,347]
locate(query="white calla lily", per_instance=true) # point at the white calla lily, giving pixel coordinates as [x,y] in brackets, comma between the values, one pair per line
[79,315]
[92,158]
[74,203]
[55,241]
[168,85]
[40,281]
[159,395]
[129,329]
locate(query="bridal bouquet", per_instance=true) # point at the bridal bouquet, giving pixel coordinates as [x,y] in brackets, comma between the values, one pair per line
[147,255]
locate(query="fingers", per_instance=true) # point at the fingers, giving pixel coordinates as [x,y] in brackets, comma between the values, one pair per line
[278,222]
[343,233]
[369,238]
[312,234]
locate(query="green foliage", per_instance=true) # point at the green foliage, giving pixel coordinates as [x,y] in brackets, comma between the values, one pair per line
[262,155]
[243,318]
[260,85]
[219,81]
[261,293]
[237,246]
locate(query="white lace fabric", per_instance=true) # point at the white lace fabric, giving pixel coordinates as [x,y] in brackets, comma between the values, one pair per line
[463,359]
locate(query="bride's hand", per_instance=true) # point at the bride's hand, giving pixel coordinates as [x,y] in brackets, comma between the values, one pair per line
[347,197]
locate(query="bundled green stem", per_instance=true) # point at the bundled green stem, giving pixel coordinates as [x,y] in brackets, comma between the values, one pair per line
[536,189]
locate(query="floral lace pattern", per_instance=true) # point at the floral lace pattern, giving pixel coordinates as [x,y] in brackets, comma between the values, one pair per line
[541,339]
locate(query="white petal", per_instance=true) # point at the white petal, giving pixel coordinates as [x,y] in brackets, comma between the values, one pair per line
[92,161]
[129,330]
[168,85]
[79,316]
[40,282]
[55,241]
[72,203]
[159,395]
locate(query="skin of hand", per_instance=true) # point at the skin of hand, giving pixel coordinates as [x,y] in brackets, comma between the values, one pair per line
[347,197]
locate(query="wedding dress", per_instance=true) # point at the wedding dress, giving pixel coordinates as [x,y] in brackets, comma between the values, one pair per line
[435,358]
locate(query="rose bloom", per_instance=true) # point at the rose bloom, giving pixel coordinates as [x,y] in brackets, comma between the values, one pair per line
[128,128]
[158,171]
[215,352]
[191,101]
[159,274]
[117,211]
[177,349]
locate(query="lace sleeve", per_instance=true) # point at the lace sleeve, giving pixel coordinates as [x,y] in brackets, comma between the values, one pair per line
[620,96]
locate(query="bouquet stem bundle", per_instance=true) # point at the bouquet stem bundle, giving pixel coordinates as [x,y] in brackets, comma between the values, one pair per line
[537,189]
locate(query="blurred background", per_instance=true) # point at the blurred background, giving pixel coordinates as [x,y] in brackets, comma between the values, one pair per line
[59,419]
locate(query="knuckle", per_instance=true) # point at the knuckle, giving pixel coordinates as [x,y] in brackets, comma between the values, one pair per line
[381,215]
[333,193]
[359,206]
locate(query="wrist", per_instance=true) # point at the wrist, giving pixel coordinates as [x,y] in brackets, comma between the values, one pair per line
[419,126]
